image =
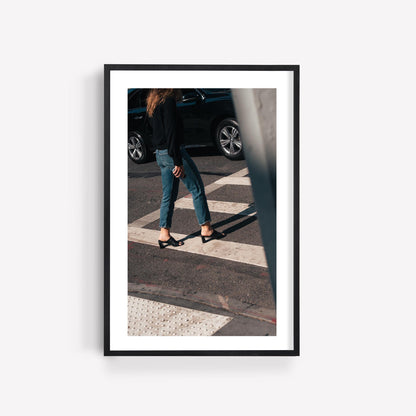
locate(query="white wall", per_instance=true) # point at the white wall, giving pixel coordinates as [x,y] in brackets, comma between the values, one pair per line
[358,203]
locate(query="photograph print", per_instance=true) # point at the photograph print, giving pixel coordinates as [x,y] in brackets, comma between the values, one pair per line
[205,201]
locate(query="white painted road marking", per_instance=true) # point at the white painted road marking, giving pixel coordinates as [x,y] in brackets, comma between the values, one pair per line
[242,172]
[232,208]
[150,318]
[221,249]
[147,219]
[230,180]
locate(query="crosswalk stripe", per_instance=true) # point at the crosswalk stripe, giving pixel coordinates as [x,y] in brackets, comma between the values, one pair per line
[222,249]
[218,184]
[212,187]
[233,180]
[147,219]
[242,172]
[232,208]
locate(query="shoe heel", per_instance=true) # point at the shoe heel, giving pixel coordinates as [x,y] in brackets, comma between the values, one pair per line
[160,244]
[203,239]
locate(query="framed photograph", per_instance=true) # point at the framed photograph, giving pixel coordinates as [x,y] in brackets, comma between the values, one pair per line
[201,250]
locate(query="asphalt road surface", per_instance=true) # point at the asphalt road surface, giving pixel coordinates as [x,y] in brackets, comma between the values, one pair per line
[226,278]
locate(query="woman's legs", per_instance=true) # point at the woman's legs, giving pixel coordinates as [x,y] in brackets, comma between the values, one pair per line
[170,186]
[193,182]
[195,186]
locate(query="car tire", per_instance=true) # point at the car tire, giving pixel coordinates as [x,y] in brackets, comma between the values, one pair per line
[228,139]
[136,148]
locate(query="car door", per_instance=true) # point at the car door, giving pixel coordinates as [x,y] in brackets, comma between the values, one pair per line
[191,109]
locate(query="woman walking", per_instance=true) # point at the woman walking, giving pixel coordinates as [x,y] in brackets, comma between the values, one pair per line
[175,164]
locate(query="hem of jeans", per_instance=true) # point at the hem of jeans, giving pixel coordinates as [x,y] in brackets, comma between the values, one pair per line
[208,220]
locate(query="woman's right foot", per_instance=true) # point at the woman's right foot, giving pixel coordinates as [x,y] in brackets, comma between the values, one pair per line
[211,235]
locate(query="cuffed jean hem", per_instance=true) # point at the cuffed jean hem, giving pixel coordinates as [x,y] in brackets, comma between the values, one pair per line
[209,220]
[208,217]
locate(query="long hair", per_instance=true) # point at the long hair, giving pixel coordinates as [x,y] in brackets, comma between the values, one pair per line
[158,96]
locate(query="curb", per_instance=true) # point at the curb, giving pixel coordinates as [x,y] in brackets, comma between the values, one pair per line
[216,301]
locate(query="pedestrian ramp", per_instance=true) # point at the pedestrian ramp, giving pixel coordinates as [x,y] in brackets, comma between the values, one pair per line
[150,318]
[223,249]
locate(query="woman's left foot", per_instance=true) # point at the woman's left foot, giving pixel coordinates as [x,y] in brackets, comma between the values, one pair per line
[170,242]
[214,235]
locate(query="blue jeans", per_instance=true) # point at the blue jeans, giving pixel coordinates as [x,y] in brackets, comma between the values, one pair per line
[170,184]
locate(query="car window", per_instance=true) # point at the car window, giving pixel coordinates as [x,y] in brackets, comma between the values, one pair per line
[137,98]
[189,92]
[143,95]
[134,99]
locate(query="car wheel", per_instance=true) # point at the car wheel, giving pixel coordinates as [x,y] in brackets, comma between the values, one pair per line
[228,139]
[137,149]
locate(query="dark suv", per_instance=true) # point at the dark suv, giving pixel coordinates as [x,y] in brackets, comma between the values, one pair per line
[208,117]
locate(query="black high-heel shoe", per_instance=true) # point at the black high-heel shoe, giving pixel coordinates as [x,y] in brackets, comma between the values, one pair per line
[214,236]
[170,242]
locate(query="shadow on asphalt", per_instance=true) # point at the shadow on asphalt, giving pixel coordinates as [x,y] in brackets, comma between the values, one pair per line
[235,227]
[203,151]
[229,230]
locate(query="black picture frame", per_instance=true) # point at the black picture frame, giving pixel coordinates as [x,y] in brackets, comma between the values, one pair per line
[108,70]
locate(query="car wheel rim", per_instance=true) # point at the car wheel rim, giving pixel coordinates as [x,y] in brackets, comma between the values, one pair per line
[135,147]
[230,140]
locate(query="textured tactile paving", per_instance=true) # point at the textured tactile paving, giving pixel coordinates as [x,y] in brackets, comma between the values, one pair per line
[150,318]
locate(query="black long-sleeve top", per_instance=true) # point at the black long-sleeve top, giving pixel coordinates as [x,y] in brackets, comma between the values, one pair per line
[168,129]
